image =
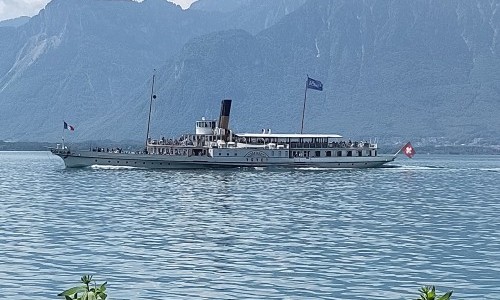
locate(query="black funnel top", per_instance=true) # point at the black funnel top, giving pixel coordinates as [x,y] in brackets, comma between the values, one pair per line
[225,108]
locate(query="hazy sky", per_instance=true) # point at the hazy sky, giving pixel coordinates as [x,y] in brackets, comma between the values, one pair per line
[15,8]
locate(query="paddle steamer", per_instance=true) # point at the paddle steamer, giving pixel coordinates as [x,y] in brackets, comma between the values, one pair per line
[214,145]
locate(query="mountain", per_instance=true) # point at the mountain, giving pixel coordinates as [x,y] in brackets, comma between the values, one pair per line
[251,15]
[15,22]
[80,60]
[223,6]
[424,69]
[248,6]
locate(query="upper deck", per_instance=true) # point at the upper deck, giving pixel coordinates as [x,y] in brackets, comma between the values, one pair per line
[291,136]
[211,135]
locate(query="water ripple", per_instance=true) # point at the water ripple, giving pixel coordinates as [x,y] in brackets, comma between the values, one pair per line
[253,234]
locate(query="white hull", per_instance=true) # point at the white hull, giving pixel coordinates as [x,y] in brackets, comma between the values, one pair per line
[81,159]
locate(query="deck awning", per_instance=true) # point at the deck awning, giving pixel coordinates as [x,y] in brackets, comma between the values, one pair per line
[288,135]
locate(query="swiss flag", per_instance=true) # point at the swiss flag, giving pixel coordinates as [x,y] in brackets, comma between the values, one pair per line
[409,150]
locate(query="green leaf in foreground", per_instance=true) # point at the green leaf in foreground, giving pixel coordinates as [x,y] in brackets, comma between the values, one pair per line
[85,291]
[429,293]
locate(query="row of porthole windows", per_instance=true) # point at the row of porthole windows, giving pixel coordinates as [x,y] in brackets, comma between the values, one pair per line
[135,163]
[227,154]
[272,153]
[330,153]
[248,159]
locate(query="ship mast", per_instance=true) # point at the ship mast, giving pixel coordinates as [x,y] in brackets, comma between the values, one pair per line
[153,96]
[304,107]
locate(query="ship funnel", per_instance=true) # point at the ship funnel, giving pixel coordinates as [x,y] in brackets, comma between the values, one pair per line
[225,110]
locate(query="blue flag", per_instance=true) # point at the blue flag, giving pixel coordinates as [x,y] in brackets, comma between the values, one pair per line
[314,84]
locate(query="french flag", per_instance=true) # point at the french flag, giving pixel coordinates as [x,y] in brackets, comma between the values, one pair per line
[69,127]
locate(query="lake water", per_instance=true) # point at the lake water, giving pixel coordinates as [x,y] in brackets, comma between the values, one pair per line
[251,234]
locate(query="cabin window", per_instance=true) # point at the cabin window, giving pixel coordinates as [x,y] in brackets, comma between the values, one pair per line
[318,153]
[349,153]
[360,153]
[279,153]
[339,153]
[328,153]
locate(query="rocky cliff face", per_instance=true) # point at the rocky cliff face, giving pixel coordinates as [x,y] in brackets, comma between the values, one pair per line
[251,15]
[404,69]
[82,60]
